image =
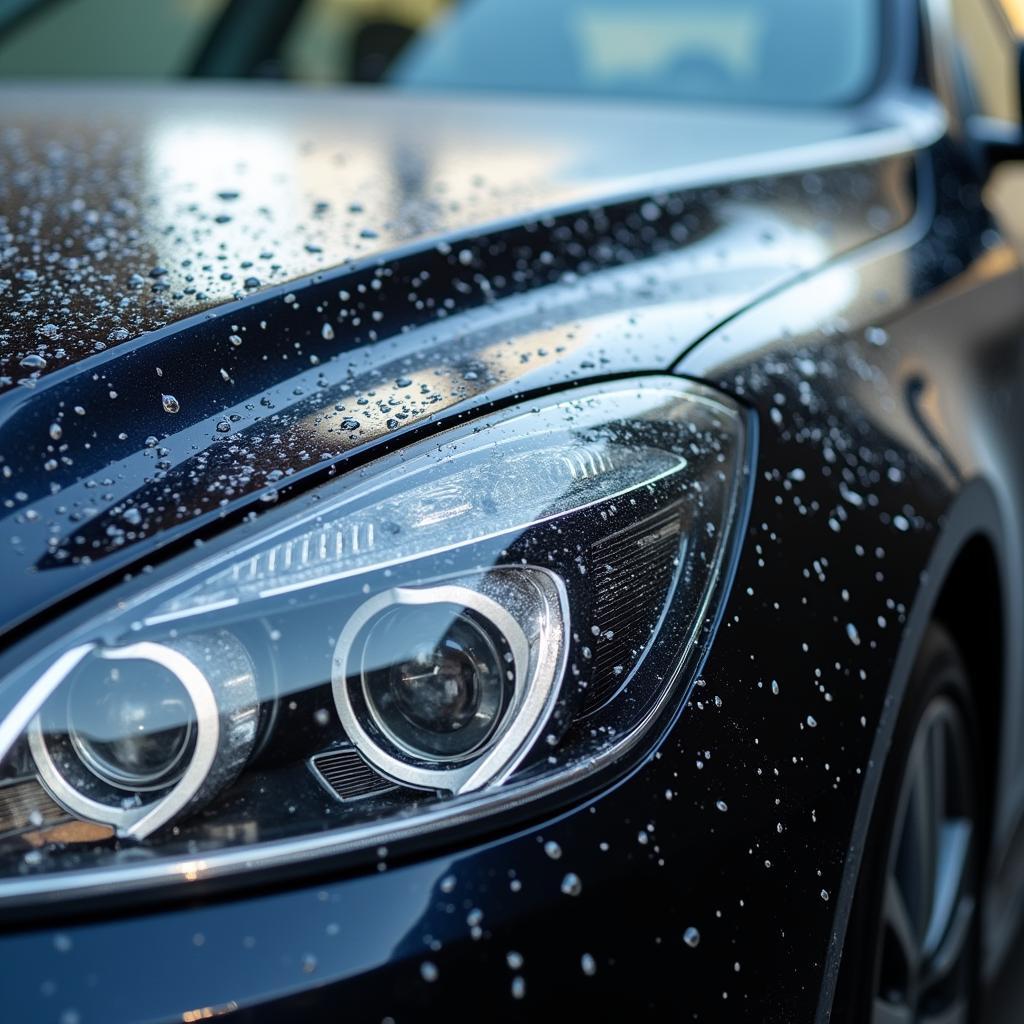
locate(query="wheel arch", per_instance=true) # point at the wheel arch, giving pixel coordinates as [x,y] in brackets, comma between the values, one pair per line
[970,552]
[971,606]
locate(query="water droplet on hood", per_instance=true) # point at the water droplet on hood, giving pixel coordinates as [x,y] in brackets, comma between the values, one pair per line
[571,884]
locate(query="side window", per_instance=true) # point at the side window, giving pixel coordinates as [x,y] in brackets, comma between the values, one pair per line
[989,68]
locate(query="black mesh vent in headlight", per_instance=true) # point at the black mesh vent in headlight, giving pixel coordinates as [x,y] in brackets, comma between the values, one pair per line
[348,776]
[632,571]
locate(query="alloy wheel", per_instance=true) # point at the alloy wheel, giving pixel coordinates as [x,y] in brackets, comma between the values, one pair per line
[924,971]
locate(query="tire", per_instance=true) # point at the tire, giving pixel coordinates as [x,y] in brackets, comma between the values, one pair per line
[912,947]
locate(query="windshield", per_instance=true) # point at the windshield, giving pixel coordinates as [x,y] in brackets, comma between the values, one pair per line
[749,51]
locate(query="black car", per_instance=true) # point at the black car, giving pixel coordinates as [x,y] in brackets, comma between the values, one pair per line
[534,535]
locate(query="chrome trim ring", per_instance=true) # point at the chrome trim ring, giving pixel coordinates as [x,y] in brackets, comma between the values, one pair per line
[534,691]
[226,714]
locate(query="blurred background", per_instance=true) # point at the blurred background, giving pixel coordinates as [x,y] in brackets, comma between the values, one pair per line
[306,40]
[721,49]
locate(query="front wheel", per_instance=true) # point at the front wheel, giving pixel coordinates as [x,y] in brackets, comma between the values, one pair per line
[915,914]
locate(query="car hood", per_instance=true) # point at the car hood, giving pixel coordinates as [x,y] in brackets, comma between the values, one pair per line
[125,209]
[206,290]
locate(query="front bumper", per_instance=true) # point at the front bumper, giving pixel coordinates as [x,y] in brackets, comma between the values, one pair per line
[584,913]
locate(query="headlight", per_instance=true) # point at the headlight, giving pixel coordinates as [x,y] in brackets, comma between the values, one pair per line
[482,618]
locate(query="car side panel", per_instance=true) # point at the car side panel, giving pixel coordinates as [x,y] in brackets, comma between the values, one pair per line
[893,380]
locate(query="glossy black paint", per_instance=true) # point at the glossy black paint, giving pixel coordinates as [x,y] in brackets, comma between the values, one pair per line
[128,210]
[880,353]
[261,394]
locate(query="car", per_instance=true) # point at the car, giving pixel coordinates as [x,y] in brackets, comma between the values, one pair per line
[535,532]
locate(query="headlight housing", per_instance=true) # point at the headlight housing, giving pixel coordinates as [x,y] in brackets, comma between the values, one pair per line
[482,618]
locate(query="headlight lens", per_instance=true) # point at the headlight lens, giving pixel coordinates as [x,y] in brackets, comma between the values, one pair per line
[439,695]
[432,677]
[490,614]
[131,724]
